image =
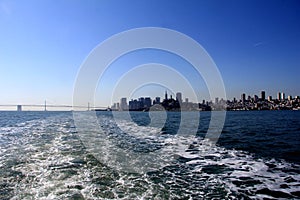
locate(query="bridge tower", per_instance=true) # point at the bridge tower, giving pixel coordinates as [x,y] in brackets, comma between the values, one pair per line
[19,107]
[45,106]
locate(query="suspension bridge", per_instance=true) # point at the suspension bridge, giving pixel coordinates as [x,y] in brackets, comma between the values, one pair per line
[45,106]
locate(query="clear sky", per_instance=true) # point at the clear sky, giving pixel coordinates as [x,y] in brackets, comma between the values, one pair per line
[255,44]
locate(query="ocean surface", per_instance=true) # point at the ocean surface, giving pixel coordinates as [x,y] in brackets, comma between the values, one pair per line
[44,156]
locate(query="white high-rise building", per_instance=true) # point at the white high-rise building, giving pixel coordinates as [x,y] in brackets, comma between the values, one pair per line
[282,96]
[123,104]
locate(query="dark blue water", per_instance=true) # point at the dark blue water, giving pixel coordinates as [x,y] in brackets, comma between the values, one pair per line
[272,134]
[44,156]
[269,134]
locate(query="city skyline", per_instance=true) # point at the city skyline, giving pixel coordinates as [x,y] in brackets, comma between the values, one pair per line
[124,103]
[280,95]
[145,102]
[254,44]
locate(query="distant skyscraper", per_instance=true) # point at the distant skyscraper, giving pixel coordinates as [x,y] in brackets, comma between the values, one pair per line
[186,100]
[166,95]
[279,96]
[131,104]
[142,102]
[249,98]
[263,95]
[255,98]
[282,96]
[216,100]
[179,97]
[123,104]
[243,97]
[157,100]
[148,102]
[269,98]
[114,106]
[134,105]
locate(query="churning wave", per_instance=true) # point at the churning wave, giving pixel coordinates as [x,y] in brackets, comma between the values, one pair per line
[46,158]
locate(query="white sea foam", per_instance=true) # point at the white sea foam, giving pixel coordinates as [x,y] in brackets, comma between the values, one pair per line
[45,159]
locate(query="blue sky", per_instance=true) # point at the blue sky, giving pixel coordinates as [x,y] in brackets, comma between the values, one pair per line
[255,44]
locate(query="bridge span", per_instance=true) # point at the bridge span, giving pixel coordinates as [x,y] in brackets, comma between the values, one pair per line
[19,107]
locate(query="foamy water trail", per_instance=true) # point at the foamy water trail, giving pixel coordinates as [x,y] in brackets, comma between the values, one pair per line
[47,159]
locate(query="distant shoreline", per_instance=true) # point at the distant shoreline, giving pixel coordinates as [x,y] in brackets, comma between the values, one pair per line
[198,110]
[143,111]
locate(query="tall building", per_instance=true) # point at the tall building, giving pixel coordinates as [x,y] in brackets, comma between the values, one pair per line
[263,95]
[148,102]
[249,98]
[279,96]
[255,98]
[269,98]
[179,97]
[166,95]
[186,100]
[114,106]
[142,102]
[134,104]
[123,104]
[216,100]
[243,97]
[157,100]
[282,96]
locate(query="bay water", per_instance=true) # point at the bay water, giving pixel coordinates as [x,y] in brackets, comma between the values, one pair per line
[43,156]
